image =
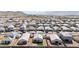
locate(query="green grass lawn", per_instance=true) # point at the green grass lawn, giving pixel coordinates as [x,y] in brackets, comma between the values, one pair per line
[39,44]
[4,44]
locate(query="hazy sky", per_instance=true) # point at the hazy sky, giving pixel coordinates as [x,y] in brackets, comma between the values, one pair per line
[52,12]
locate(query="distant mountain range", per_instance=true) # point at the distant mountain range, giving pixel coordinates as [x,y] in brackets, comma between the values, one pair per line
[24,13]
[52,12]
[12,13]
